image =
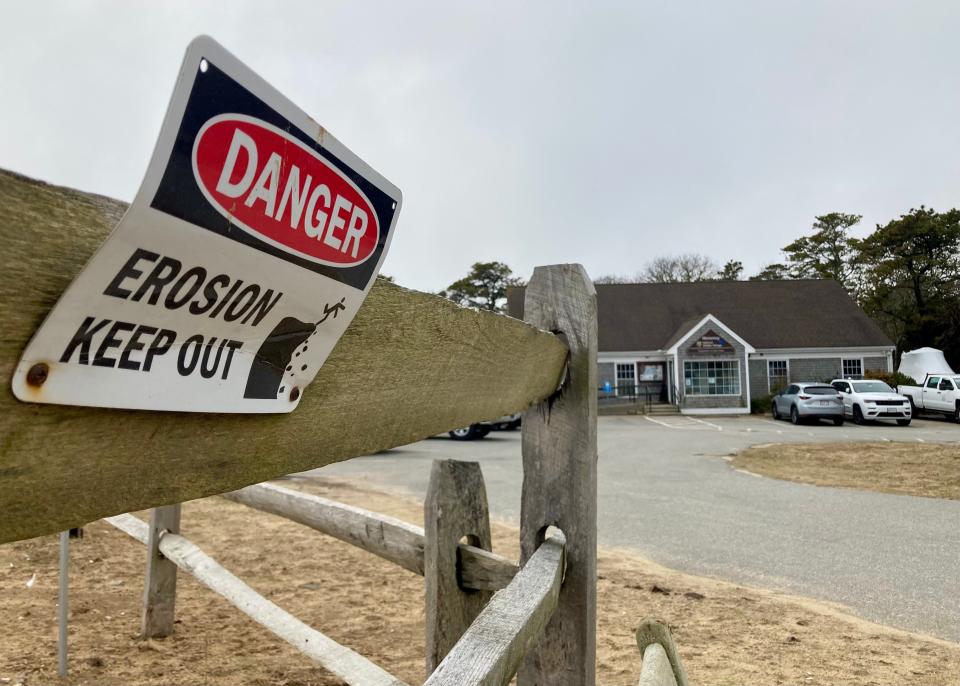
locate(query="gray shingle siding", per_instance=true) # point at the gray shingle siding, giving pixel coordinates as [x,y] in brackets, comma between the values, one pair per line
[808,369]
[814,369]
[758,378]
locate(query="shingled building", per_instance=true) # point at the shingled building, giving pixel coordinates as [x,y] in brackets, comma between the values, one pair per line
[711,346]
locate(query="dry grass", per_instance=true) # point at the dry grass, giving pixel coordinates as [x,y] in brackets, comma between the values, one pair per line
[727,634]
[924,469]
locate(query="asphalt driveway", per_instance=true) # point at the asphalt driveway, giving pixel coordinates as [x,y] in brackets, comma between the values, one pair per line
[666,491]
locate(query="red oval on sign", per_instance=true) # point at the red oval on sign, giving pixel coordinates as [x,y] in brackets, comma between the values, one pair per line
[273,187]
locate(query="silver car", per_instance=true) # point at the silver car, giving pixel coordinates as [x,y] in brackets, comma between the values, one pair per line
[816,401]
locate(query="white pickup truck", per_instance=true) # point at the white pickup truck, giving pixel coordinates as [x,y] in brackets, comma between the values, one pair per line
[940,393]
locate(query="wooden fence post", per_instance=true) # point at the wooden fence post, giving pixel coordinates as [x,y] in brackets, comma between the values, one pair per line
[160,591]
[560,477]
[455,506]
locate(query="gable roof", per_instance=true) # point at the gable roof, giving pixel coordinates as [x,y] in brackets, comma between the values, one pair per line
[768,314]
[689,327]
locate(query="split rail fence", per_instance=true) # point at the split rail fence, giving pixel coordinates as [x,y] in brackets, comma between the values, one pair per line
[488,618]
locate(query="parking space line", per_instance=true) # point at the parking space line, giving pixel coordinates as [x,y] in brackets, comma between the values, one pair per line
[657,421]
[682,427]
[702,421]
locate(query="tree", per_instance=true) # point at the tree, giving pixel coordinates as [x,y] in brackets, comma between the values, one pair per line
[485,287]
[731,271]
[679,269]
[613,278]
[772,272]
[912,279]
[830,253]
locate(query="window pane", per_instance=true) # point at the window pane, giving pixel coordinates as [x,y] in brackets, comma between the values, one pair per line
[852,367]
[776,375]
[625,377]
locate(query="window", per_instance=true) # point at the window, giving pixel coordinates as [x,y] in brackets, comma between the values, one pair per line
[626,377]
[933,381]
[871,387]
[851,368]
[778,373]
[818,390]
[651,372]
[720,377]
[946,385]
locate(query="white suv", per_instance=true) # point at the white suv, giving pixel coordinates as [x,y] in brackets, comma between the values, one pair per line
[868,399]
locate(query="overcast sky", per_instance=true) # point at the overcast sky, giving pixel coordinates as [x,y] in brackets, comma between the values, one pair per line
[534,133]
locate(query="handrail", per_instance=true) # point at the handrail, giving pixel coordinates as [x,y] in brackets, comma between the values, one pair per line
[491,650]
[348,665]
[386,537]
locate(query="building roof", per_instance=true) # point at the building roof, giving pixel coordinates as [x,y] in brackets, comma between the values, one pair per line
[767,314]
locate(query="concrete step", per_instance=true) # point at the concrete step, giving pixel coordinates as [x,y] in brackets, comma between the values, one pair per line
[663,409]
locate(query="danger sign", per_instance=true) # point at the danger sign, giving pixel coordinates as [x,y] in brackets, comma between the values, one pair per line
[248,249]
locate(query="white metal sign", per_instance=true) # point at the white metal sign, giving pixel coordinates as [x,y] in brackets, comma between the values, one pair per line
[247,251]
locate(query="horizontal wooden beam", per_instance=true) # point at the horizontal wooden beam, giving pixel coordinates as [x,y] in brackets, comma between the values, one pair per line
[492,648]
[346,664]
[410,365]
[386,537]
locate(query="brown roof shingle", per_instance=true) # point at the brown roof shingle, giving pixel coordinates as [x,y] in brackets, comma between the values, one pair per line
[767,314]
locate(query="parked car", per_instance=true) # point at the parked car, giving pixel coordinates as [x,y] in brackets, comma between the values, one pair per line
[809,400]
[481,429]
[868,399]
[940,394]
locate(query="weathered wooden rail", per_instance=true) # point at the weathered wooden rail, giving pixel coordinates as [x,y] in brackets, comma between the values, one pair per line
[484,645]
[346,664]
[489,650]
[488,618]
[662,665]
[391,539]
[418,359]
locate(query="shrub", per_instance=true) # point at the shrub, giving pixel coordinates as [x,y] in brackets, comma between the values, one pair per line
[762,404]
[892,379]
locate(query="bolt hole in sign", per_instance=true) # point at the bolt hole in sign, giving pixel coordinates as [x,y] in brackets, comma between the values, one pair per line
[247,251]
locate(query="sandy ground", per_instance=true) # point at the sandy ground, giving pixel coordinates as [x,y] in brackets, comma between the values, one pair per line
[924,469]
[727,634]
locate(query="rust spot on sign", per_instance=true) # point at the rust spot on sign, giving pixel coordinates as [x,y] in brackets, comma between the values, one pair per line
[38,374]
[294,394]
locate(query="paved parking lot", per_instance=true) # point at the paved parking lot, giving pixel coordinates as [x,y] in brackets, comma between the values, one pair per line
[666,492]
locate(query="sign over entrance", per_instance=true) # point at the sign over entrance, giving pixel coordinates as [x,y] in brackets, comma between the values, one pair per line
[247,251]
[711,342]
